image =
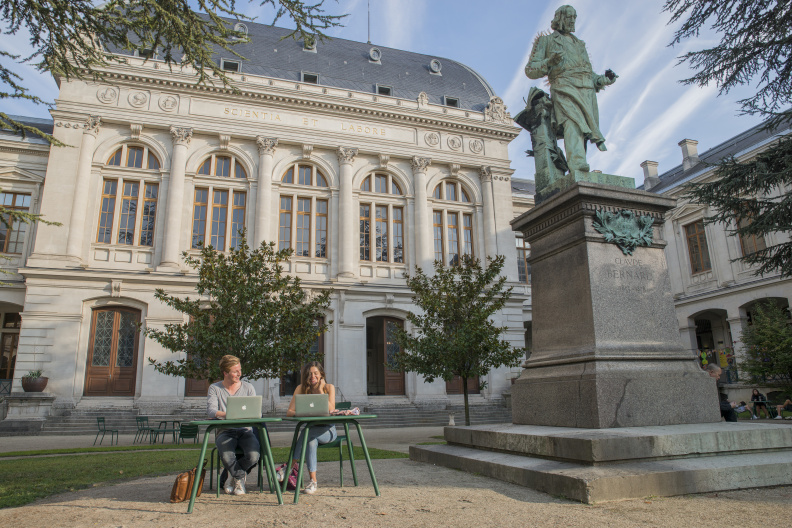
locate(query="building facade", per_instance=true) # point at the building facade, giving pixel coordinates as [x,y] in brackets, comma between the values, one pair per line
[366,161]
[713,294]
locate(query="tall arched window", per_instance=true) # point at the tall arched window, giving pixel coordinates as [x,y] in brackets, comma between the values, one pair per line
[130,188]
[303,212]
[452,222]
[382,207]
[219,208]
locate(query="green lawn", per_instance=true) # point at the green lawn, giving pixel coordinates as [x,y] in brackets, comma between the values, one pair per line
[25,480]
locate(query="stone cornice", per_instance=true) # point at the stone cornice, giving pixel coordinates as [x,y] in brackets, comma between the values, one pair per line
[320,101]
[19,147]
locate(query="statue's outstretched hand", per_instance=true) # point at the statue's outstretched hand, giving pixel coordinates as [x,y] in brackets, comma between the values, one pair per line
[610,77]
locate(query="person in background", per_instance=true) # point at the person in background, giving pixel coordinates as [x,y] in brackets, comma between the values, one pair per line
[229,439]
[759,403]
[787,406]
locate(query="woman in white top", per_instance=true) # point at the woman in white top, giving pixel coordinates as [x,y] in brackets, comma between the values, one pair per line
[313,382]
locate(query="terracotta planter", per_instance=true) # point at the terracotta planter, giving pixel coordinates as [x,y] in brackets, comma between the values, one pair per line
[34,384]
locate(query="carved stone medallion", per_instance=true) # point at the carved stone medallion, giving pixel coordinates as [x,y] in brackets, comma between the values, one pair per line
[476,146]
[138,99]
[168,103]
[107,94]
[454,142]
[432,139]
[624,229]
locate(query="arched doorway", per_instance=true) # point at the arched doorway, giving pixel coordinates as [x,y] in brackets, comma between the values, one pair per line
[382,379]
[112,352]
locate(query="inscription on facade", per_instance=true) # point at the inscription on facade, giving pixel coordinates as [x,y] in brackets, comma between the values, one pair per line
[630,269]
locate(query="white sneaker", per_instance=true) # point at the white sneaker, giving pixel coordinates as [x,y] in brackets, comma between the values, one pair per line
[281,472]
[754,418]
[778,417]
[310,489]
[239,486]
[229,485]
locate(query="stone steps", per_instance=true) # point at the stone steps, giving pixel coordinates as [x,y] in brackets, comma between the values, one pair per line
[83,421]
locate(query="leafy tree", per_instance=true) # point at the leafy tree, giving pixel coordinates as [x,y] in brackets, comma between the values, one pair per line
[755,46]
[77,38]
[768,346]
[246,306]
[454,336]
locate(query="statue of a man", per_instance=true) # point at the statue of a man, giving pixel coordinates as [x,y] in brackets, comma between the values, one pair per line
[563,58]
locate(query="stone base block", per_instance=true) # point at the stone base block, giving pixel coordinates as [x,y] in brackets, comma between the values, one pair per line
[603,394]
[31,427]
[621,463]
[572,178]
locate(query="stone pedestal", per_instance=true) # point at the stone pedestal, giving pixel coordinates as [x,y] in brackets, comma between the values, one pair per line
[609,405]
[606,349]
[27,412]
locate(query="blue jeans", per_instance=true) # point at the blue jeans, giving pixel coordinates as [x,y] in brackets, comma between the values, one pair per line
[227,442]
[321,434]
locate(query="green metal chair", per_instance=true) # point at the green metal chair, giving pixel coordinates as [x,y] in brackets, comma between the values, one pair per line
[143,428]
[188,431]
[340,439]
[100,423]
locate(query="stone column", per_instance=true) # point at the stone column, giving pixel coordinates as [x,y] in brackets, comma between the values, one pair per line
[423,224]
[266,148]
[736,324]
[175,199]
[347,215]
[74,243]
[490,237]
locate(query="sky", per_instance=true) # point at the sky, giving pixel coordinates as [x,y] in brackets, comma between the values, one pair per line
[643,116]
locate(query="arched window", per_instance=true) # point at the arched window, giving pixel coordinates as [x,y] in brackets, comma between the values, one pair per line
[128,203]
[134,157]
[222,166]
[452,222]
[382,207]
[304,211]
[304,174]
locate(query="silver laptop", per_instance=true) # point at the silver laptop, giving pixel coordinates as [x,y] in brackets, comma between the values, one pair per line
[241,407]
[311,405]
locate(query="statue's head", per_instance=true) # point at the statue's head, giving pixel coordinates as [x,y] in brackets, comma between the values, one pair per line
[564,19]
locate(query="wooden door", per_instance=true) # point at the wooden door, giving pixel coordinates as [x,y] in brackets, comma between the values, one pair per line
[112,352]
[195,387]
[394,379]
[455,386]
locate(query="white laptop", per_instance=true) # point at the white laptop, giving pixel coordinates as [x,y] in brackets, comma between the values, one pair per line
[242,407]
[312,405]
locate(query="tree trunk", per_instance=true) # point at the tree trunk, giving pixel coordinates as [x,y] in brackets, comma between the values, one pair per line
[465,392]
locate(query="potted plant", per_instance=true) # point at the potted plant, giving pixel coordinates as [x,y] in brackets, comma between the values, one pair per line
[34,381]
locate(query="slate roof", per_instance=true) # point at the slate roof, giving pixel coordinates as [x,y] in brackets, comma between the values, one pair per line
[731,147]
[45,125]
[346,64]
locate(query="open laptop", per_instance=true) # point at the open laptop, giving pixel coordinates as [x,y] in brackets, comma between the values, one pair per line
[241,407]
[311,405]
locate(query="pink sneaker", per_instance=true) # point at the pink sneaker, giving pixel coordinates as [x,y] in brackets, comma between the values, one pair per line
[292,485]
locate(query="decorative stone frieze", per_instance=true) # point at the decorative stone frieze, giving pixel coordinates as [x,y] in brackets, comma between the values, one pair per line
[419,164]
[107,94]
[138,99]
[92,124]
[266,145]
[181,135]
[454,142]
[476,146]
[432,139]
[346,154]
[168,103]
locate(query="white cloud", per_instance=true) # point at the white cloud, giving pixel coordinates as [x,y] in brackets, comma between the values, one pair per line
[404,21]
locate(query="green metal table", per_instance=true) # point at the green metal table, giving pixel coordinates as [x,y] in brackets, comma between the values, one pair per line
[269,463]
[307,422]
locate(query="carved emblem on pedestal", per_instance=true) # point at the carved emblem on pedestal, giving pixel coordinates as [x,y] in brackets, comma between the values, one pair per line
[432,139]
[454,142]
[476,146]
[107,94]
[496,111]
[138,99]
[624,229]
[168,103]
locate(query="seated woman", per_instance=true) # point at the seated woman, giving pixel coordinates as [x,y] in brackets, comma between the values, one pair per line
[229,439]
[313,382]
[787,406]
[759,403]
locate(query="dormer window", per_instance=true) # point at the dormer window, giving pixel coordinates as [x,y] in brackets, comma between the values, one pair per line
[384,90]
[312,78]
[451,101]
[145,53]
[229,66]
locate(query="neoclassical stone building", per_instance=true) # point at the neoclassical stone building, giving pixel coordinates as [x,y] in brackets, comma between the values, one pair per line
[366,161]
[713,295]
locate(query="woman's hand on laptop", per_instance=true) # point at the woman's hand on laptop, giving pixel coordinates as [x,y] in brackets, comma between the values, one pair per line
[220,415]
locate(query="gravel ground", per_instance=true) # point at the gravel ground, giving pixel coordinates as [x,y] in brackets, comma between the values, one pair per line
[413,495]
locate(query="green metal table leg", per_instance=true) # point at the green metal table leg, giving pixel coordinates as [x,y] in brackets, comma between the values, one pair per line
[197,479]
[368,458]
[291,456]
[351,453]
[307,430]
[270,462]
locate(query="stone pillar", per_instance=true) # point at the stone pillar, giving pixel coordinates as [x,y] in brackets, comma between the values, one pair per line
[74,243]
[266,148]
[490,237]
[348,217]
[736,324]
[606,348]
[423,220]
[175,199]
